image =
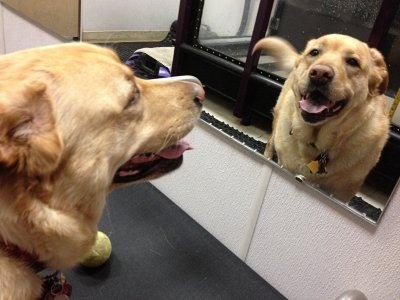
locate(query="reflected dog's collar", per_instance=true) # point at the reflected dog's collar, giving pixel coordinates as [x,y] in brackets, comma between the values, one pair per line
[318,165]
[26,257]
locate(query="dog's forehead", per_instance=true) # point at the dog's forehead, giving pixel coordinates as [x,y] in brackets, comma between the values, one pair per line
[89,79]
[88,55]
[75,73]
[339,43]
[64,60]
[99,67]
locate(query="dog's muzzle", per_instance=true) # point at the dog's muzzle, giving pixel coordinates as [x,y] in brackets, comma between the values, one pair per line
[315,107]
[153,165]
[198,91]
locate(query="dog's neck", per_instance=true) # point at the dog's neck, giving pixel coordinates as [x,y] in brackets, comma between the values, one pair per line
[19,254]
[315,137]
[310,134]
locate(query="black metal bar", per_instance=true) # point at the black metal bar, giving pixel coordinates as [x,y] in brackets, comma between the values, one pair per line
[182,33]
[260,28]
[382,23]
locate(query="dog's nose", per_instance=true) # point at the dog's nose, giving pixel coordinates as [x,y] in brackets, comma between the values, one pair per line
[199,93]
[321,74]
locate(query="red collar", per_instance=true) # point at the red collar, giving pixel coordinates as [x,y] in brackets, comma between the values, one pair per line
[28,258]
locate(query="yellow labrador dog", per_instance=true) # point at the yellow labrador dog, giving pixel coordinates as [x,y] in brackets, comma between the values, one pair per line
[330,122]
[74,124]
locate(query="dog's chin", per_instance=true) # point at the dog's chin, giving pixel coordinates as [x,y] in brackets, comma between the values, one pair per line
[148,166]
[148,171]
[316,108]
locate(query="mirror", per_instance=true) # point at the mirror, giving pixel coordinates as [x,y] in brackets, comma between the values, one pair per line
[227,29]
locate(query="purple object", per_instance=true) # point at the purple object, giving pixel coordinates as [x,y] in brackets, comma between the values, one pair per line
[146,66]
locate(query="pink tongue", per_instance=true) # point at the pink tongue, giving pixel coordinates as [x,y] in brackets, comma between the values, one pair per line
[175,151]
[312,107]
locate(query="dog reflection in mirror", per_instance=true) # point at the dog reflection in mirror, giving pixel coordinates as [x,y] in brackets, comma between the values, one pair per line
[330,121]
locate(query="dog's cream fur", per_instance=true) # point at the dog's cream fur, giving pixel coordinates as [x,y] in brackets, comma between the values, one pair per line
[355,136]
[70,116]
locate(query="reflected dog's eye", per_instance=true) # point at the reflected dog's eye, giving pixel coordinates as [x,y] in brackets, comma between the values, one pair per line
[352,62]
[314,52]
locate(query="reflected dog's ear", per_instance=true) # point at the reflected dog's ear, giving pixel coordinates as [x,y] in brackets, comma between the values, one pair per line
[29,140]
[379,77]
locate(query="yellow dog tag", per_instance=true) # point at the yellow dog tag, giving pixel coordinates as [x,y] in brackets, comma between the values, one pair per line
[318,165]
[313,166]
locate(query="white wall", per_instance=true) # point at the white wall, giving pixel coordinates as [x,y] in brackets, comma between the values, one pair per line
[303,244]
[218,185]
[106,15]
[308,248]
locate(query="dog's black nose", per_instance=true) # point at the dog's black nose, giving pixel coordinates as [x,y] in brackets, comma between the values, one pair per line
[198,91]
[321,74]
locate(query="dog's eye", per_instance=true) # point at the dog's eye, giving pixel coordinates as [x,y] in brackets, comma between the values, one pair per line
[135,98]
[352,62]
[314,52]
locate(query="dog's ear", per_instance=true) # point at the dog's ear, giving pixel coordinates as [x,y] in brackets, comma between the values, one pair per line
[379,77]
[29,139]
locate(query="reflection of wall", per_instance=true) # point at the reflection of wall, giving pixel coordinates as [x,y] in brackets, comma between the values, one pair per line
[105,15]
[304,245]
[224,17]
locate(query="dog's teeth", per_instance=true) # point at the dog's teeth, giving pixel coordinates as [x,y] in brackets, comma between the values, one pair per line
[123,173]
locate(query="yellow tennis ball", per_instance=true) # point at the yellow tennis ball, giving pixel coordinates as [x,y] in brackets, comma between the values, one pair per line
[100,252]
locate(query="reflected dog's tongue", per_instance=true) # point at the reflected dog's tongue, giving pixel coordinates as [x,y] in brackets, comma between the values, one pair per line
[175,151]
[314,107]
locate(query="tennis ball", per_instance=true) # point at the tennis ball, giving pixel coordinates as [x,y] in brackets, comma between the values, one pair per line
[100,252]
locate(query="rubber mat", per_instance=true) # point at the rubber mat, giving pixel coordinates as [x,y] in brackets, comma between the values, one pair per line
[159,252]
